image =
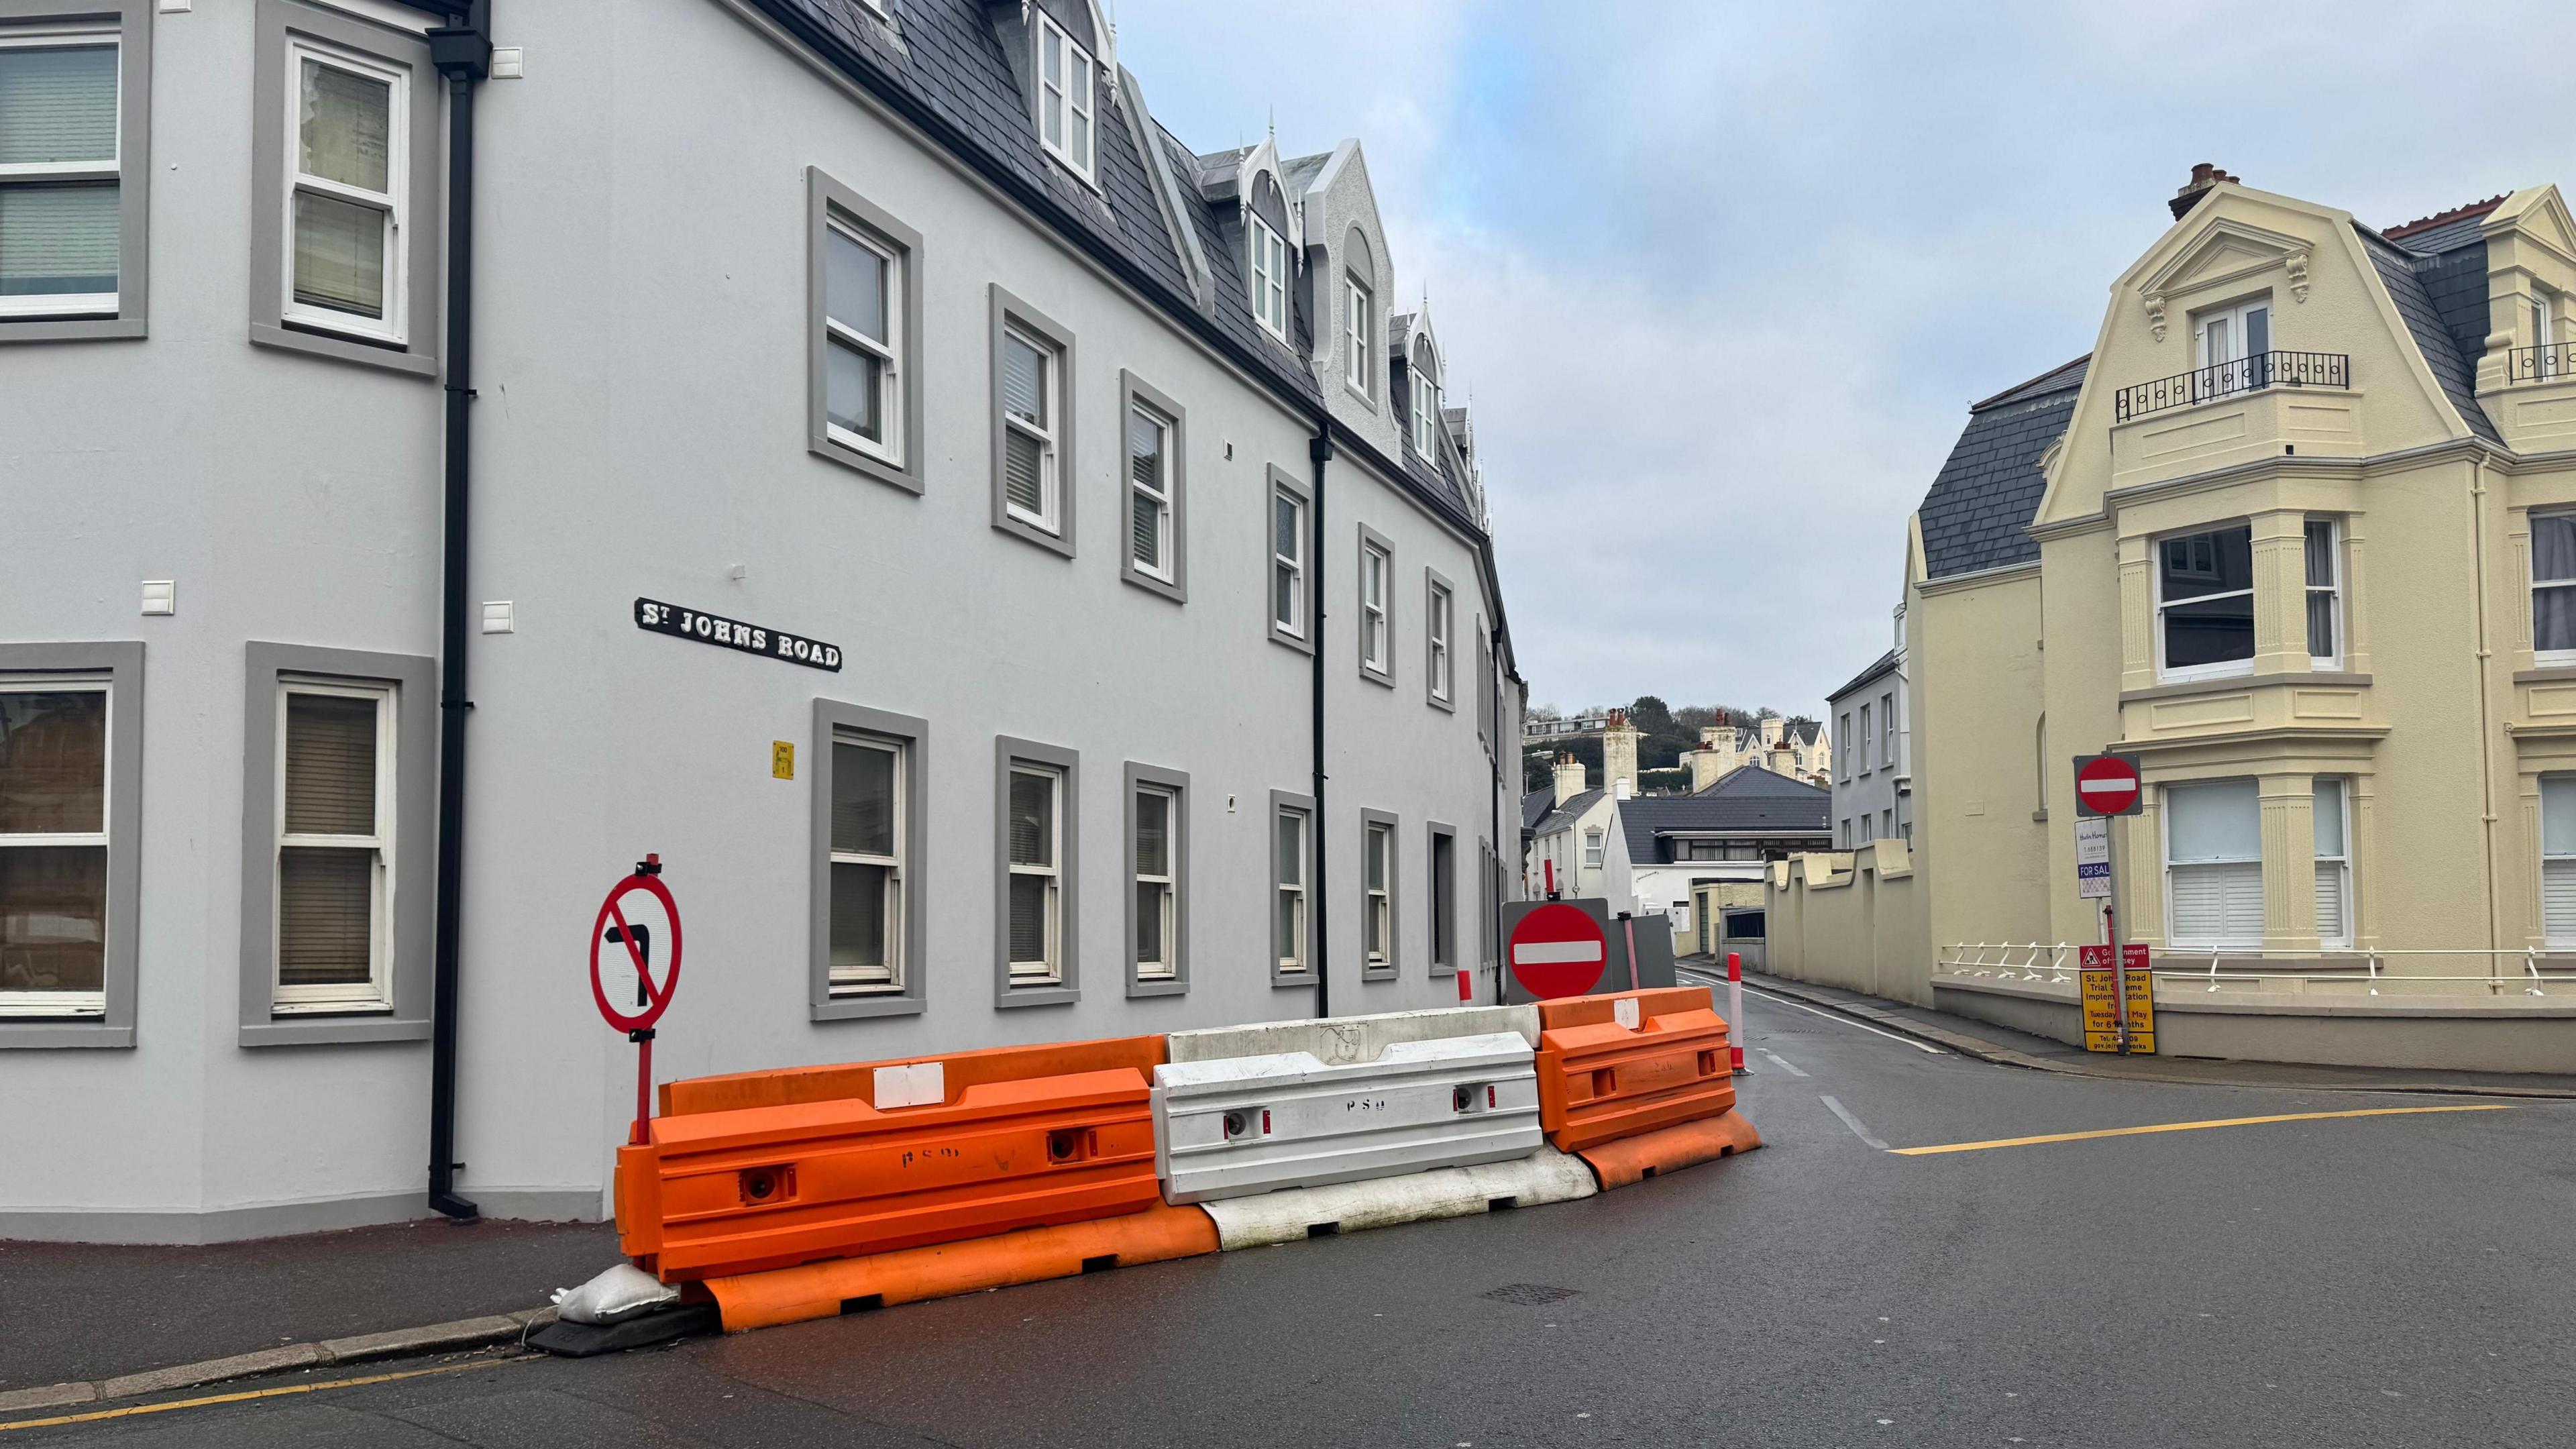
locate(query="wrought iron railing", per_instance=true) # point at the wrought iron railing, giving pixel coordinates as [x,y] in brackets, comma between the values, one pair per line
[2541,364]
[2244,374]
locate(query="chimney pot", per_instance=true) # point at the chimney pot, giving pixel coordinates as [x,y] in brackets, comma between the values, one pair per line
[2204,175]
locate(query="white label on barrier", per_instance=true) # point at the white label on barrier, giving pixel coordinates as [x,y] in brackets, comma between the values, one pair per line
[1625,1010]
[920,1084]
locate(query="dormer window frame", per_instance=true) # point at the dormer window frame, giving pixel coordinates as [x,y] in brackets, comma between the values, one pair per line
[1426,402]
[1068,98]
[1266,274]
[1358,313]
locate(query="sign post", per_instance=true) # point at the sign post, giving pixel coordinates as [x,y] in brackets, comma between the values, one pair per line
[2106,786]
[651,999]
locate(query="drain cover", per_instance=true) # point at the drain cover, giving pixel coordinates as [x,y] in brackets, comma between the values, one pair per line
[1527,1294]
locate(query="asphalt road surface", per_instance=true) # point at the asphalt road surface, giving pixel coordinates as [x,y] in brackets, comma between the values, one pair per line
[2401,1280]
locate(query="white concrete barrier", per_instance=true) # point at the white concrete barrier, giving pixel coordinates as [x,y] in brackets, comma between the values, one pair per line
[1450,1192]
[1232,1126]
[1342,1040]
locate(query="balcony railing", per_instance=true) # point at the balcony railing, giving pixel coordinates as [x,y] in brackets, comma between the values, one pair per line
[2245,374]
[2541,364]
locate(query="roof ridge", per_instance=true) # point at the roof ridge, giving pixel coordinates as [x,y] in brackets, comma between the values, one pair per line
[2444,218]
[2018,387]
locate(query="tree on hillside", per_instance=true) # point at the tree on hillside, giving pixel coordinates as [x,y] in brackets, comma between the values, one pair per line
[1649,715]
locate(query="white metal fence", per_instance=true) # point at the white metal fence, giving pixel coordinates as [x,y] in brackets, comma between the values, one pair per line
[2505,968]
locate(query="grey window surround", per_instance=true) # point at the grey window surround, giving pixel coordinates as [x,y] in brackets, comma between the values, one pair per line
[1008,751]
[1282,802]
[1370,537]
[824,197]
[1283,481]
[415,836]
[423,223]
[1177,782]
[832,718]
[1010,311]
[122,663]
[1436,584]
[1133,390]
[1394,966]
[1435,898]
[133,175]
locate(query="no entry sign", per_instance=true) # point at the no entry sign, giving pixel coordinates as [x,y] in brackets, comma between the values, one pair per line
[1558,950]
[2106,785]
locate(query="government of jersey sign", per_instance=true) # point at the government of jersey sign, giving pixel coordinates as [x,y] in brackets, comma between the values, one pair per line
[681,623]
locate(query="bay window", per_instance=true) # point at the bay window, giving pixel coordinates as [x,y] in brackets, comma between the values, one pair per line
[2324,559]
[2213,864]
[2334,863]
[2205,604]
[2553,588]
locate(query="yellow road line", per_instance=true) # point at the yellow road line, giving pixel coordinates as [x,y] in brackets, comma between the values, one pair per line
[235,1398]
[2188,1127]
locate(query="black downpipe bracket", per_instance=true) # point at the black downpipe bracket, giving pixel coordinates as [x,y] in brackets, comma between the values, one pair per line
[463,54]
[1320,449]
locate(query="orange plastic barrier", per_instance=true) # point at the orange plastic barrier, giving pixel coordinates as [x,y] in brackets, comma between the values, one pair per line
[1631,1160]
[1601,1079]
[766,1170]
[820,1290]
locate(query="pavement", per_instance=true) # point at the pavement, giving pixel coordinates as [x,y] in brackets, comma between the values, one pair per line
[2006,1047]
[2327,1282]
[108,1311]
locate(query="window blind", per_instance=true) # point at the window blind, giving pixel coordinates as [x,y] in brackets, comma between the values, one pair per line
[330,765]
[2218,905]
[1023,379]
[2558,902]
[1028,918]
[325,916]
[57,105]
[1150,897]
[1032,819]
[339,255]
[2331,925]
[1024,472]
[345,130]
[58,240]
[53,762]
[1148,531]
[1153,833]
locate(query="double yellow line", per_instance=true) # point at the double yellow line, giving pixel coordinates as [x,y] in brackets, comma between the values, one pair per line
[2182,1127]
[134,1410]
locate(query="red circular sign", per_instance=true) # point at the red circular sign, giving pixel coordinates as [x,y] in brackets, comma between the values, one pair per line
[2106,785]
[657,997]
[1558,950]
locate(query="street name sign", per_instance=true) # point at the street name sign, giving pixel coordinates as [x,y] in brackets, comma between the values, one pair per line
[2106,785]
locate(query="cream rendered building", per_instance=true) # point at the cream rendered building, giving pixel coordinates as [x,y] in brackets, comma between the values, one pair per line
[2293,537]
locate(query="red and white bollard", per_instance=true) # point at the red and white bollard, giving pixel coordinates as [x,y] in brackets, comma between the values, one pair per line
[1735,1010]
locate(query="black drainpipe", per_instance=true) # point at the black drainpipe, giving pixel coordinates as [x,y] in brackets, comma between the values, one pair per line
[463,54]
[1494,868]
[1320,449]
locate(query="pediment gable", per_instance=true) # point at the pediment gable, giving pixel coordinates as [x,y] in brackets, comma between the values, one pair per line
[2225,251]
[2539,215]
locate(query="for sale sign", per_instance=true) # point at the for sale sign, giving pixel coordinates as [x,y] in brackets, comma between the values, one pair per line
[2093,858]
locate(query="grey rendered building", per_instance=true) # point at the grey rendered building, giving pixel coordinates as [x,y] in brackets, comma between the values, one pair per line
[1873,752]
[1004,563]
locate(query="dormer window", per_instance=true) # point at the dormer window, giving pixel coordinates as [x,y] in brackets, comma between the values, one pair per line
[1064,97]
[1426,403]
[1269,276]
[1357,349]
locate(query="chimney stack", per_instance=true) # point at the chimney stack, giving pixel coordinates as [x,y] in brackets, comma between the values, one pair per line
[1619,755]
[1569,778]
[2203,176]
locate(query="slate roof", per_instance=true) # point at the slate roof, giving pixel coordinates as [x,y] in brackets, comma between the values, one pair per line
[2404,270]
[1534,807]
[1564,816]
[1748,799]
[1884,665]
[1978,512]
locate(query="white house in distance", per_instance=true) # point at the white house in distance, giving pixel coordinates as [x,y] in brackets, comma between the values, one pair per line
[1569,830]
[1693,855]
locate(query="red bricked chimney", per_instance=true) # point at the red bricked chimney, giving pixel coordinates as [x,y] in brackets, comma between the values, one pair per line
[2203,176]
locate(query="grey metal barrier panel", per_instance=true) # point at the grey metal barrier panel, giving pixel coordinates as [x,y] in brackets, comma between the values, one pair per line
[1236,1126]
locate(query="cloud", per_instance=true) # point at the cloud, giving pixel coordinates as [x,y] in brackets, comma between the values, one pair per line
[1723,278]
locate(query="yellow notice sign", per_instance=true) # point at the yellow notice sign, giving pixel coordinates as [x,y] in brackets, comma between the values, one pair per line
[782,760]
[2101,1001]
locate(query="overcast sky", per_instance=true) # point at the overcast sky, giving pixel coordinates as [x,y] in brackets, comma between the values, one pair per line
[1723,277]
